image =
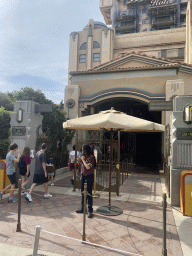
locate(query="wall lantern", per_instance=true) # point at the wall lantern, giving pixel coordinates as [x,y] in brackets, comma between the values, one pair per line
[187,114]
[20,115]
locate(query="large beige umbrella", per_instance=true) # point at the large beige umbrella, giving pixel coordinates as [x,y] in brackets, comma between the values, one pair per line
[112,120]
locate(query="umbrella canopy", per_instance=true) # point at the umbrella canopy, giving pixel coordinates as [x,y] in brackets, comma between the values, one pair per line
[112,119]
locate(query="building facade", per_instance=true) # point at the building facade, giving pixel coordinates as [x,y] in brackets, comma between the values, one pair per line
[138,72]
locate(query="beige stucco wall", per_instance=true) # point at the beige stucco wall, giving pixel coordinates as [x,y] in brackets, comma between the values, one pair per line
[149,84]
[146,39]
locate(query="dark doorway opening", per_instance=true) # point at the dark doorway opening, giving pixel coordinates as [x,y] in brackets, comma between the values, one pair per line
[143,149]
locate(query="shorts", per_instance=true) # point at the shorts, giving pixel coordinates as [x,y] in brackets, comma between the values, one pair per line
[12,178]
[72,166]
[25,174]
[40,178]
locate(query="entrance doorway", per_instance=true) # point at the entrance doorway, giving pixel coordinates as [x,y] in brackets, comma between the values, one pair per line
[143,149]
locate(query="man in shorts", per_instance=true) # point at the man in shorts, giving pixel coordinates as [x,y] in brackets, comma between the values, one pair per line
[10,171]
[40,175]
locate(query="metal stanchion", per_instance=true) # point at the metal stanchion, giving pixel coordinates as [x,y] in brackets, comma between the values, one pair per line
[36,243]
[164,251]
[94,184]
[19,207]
[84,211]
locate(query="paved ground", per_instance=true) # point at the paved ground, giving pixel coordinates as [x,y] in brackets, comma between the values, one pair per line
[138,230]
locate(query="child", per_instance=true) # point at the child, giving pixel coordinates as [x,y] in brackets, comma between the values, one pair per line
[25,169]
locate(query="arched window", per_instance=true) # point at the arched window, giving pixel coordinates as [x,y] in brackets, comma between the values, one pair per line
[83,46]
[96,44]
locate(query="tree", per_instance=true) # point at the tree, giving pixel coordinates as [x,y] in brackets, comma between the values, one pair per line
[4,131]
[6,101]
[53,128]
[52,122]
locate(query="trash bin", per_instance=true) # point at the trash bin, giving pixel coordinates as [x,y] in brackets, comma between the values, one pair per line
[4,180]
[186,192]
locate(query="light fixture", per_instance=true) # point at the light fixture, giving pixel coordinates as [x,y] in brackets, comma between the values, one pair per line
[187,114]
[20,115]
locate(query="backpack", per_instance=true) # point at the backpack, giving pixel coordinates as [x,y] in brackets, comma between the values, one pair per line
[22,166]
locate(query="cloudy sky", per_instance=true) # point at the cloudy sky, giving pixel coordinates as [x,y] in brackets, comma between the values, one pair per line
[34,42]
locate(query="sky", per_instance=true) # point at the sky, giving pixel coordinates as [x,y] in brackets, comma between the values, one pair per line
[34,42]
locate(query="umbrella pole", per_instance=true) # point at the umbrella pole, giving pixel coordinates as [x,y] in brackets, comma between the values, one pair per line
[110,166]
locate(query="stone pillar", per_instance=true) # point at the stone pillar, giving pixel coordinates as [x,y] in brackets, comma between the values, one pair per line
[71,103]
[90,43]
[107,45]
[73,52]
[188,45]
[92,110]
[24,132]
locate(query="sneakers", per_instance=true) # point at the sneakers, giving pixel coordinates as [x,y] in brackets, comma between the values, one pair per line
[89,214]
[12,200]
[28,198]
[1,195]
[47,196]
[23,193]
[52,184]
[79,211]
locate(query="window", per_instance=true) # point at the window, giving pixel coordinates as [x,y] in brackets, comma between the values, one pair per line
[145,21]
[96,44]
[163,53]
[83,46]
[181,52]
[96,57]
[82,58]
[144,10]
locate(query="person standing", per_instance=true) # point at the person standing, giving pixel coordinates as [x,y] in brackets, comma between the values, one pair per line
[88,164]
[24,167]
[72,162]
[40,175]
[50,166]
[10,171]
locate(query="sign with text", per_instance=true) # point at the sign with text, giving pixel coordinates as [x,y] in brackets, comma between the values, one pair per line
[18,131]
[161,106]
[184,134]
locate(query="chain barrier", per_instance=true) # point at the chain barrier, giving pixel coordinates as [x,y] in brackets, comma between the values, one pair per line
[37,236]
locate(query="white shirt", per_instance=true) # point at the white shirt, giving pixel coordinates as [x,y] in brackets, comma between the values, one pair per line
[72,156]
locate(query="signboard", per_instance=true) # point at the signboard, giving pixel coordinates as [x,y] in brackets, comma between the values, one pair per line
[161,106]
[184,134]
[18,131]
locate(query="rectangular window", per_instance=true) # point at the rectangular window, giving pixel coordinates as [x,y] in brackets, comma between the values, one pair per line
[181,53]
[144,10]
[163,53]
[96,57]
[82,58]
[145,21]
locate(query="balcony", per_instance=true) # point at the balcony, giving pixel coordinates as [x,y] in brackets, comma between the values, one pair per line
[105,8]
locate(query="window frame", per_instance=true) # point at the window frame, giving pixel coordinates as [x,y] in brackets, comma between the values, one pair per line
[80,58]
[96,59]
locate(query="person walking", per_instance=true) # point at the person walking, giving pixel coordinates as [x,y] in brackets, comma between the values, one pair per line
[40,175]
[10,171]
[72,162]
[24,168]
[50,169]
[88,164]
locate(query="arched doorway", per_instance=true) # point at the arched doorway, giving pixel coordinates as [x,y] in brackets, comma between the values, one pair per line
[143,149]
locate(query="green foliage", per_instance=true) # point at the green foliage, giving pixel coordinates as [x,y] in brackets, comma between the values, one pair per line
[52,122]
[28,93]
[6,101]
[53,128]
[4,131]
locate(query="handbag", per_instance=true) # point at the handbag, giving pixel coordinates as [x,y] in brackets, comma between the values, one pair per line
[50,169]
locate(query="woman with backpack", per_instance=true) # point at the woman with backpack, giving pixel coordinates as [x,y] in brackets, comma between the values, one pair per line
[24,167]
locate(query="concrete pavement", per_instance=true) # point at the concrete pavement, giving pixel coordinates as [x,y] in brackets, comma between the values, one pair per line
[138,230]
